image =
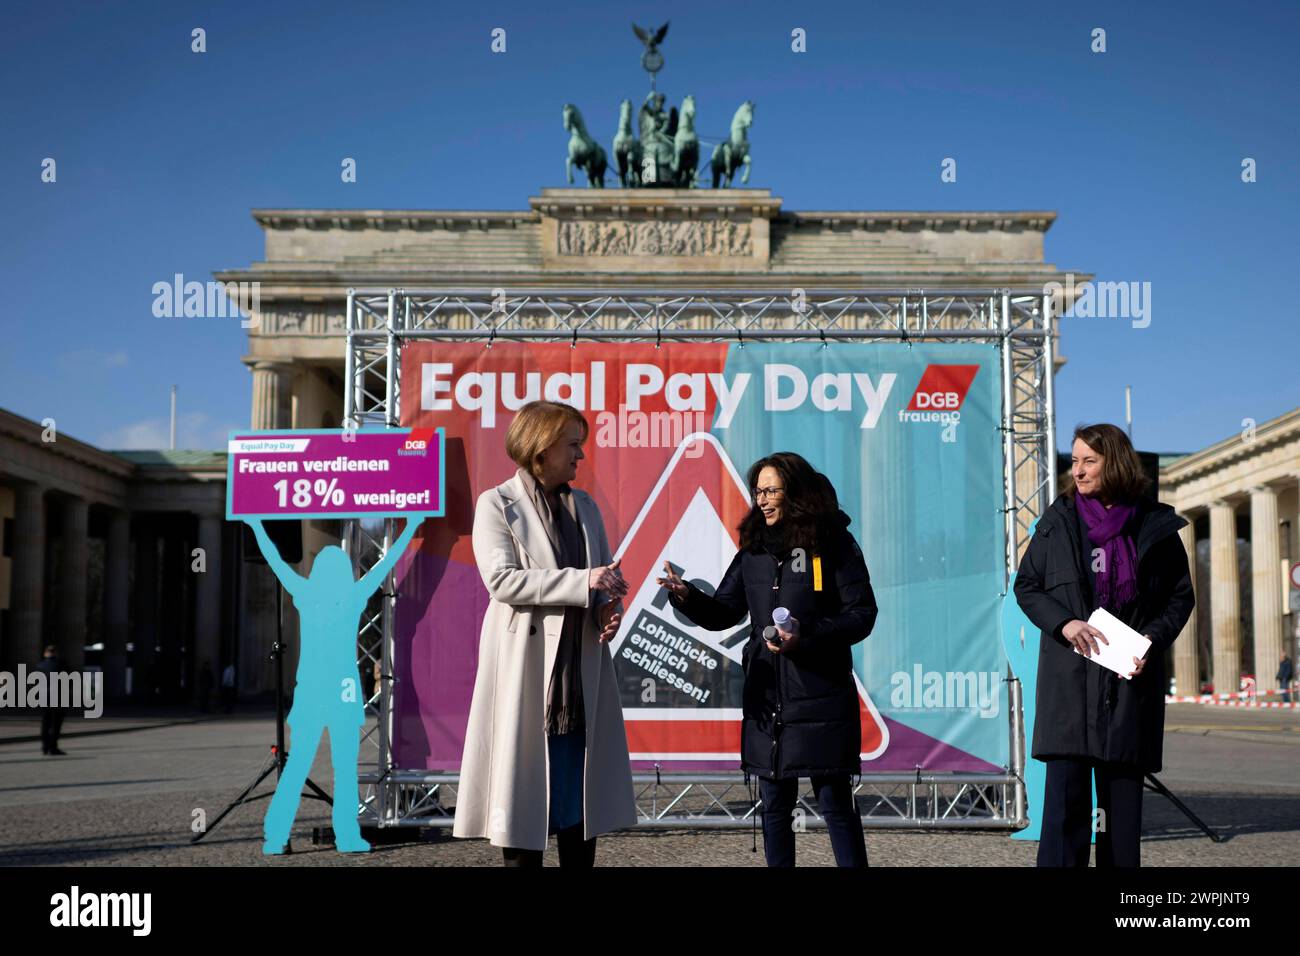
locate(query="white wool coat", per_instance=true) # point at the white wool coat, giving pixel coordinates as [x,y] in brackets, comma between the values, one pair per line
[504,790]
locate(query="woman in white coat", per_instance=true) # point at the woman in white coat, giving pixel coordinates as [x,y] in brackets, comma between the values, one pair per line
[545,749]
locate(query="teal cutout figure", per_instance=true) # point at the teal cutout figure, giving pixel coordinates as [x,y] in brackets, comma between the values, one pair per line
[328,690]
[1020,637]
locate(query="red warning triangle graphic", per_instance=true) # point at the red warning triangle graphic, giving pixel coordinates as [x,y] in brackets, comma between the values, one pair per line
[695,714]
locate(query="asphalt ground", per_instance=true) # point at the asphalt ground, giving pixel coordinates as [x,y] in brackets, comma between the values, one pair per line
[129,788]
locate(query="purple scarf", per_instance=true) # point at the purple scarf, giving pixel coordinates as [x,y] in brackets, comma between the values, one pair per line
[1117,578]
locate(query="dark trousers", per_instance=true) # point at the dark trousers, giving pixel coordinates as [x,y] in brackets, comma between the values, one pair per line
[51,724]
[574,851]
[1068,819]
[838,809]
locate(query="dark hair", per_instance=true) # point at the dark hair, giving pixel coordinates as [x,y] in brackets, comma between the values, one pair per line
[808,502]
[1122,477]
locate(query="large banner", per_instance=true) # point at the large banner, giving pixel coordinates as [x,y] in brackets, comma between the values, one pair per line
[909,436]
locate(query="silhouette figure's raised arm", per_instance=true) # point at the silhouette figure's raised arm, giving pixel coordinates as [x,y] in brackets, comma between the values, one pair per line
[375,576]
[293,582]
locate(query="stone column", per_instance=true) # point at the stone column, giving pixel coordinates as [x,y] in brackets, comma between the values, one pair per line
[28,576]
[1225,599]
[272,392]
[117,560]
[1187,670]
[272,408]
[207,598]
[74,565]
[1266,589]
[144,631]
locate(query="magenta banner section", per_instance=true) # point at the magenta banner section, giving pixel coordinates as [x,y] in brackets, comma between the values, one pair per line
[325,473]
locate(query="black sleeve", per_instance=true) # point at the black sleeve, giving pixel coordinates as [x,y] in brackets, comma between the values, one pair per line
[726,608]
[1040,607]
[1168,624]
[857,614]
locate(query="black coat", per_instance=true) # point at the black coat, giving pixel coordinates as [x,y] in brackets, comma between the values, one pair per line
[801,710]
[1084,710]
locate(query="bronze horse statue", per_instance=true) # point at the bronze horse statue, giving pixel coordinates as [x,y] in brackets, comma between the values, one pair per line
[731,155]
[686,147]
[584,152]
[627,149]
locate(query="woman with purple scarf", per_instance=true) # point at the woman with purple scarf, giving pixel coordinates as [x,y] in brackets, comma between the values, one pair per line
[1102,544]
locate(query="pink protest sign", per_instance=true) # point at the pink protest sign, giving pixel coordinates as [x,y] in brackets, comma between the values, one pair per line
[323,473]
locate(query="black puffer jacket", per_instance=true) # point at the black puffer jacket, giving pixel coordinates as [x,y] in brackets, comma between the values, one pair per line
[1082,709]
[801,711]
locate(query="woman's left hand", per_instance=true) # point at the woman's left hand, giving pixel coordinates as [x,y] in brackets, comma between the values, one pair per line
[1138,663]
[789,642]
[610,616]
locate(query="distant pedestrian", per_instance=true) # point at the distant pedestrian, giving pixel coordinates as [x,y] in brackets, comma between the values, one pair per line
[228,688]
[1285,673]
[51,713]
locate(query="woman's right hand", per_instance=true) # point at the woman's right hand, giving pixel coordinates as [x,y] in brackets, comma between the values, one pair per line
[675,585]
[1083,637]
[609,579]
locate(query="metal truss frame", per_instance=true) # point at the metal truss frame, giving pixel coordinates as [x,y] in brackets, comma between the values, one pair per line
[1019,322]
[719,800]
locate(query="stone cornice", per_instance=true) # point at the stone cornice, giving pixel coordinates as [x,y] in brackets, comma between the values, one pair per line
[655,203]
[652,202]
[1284,428]
[29,432]
[326,283]
[917,220]
[417,219]
[136,481]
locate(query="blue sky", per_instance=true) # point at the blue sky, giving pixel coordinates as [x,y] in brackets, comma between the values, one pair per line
[162,153]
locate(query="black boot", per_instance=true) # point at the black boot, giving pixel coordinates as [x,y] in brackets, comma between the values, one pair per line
[574,850]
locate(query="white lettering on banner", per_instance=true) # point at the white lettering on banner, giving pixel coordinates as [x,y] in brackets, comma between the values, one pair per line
[477,391]
[843,400]
[484,402]
[642,380]
[431,385]
[785,388]
[728,398]
[511,398]
[874,395]
[772,400]
[253,467]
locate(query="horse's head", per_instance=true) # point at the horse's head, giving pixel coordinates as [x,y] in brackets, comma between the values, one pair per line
[688,105]
[569,111]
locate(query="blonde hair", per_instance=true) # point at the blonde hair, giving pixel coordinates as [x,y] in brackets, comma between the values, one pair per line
[537,427]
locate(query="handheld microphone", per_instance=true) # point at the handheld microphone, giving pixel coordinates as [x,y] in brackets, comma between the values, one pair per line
[772,635]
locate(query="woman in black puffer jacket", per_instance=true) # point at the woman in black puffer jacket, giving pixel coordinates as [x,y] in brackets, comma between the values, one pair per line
[801,710]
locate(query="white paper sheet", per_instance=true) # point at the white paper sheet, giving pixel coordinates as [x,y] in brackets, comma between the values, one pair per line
[1125,643]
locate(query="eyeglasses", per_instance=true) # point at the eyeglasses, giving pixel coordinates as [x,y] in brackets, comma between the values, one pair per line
[761,494]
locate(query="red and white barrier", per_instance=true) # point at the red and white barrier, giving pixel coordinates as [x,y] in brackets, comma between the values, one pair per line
[1211,701]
